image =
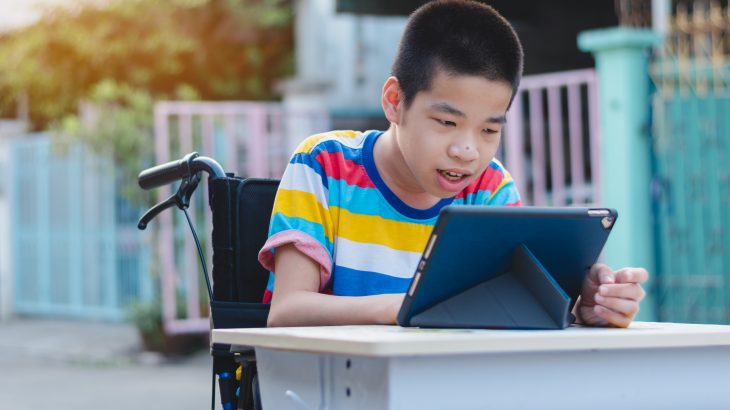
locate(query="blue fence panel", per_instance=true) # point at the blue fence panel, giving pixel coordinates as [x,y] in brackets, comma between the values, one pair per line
[76,251]
[692,190]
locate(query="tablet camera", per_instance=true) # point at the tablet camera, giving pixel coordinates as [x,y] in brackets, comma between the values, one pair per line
[607,222]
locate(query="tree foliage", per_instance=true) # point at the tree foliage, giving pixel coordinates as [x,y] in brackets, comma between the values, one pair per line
[218,49]
[93,72]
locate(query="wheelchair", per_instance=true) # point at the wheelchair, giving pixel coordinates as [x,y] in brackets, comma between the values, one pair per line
[241,209]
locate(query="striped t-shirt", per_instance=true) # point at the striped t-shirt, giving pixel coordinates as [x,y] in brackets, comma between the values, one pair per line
[335,208]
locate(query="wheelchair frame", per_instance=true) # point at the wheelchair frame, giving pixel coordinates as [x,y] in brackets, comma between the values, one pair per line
[241,210]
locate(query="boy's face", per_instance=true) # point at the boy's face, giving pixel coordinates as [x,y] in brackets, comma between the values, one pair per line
[451,132]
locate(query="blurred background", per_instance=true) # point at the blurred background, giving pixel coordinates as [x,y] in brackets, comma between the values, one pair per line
[624,103]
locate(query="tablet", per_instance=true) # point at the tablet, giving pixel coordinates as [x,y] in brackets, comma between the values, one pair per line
[505,267]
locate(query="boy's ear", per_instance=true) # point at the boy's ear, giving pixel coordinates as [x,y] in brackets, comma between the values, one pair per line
[391,99]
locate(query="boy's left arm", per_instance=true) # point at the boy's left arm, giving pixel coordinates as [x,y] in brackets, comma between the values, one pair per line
[610,298]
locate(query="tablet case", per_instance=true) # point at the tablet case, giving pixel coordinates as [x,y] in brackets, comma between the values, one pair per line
[522,293]
[525,296]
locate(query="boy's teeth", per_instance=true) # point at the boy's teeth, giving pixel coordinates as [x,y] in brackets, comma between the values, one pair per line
[451,175]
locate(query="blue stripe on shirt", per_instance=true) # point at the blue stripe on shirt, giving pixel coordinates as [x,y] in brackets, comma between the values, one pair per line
[366,201]
[353,282]
[506,195]
[306,159]
[331,146]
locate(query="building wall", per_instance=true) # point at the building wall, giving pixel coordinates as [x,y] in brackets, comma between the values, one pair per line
[342,59]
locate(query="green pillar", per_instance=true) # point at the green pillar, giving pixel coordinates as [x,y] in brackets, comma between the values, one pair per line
[623,99]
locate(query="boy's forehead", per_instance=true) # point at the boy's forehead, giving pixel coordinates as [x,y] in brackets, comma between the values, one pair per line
[459,94]
[447,79]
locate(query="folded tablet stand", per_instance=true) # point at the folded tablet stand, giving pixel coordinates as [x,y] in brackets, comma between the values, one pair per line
[524,297]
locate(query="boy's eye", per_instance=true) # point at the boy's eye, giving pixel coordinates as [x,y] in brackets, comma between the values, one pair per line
[490,131]
[445,123]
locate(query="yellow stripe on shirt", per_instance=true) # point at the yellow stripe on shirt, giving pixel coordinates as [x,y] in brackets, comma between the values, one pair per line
[336,221]
[300,204]
[507,179]
[405,236]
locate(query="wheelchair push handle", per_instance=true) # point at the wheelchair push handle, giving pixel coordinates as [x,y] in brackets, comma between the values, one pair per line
[187,170]
[162,174]
[172,171]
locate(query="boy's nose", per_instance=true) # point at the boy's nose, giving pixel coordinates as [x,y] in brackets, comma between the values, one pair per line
[465,151]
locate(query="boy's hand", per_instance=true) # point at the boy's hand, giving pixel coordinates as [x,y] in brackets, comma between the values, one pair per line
[611,298]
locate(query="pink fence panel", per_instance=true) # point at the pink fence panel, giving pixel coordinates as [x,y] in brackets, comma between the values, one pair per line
[551,140]
[250,139]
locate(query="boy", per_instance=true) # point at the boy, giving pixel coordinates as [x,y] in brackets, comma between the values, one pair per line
[354,209]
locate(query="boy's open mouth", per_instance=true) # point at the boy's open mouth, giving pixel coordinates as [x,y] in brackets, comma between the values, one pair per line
[452,176]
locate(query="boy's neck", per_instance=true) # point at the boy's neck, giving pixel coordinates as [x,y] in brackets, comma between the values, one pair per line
[397,176]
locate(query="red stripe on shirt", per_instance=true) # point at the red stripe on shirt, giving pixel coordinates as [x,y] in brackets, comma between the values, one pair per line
[337,167]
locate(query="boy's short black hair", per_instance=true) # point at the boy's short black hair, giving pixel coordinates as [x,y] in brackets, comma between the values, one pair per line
[460,36]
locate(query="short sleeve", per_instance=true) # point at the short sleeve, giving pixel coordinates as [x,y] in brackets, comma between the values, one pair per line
[301,215]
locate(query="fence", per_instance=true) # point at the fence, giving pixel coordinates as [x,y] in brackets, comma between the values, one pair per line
[691,127]
[73,255]
[551,141]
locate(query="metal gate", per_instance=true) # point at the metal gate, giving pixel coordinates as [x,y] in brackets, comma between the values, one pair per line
[691,128]
[76,251]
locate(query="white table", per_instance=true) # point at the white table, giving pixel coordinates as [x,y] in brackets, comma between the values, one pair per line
[649,365]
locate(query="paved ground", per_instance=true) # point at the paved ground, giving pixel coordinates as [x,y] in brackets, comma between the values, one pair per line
[85,365]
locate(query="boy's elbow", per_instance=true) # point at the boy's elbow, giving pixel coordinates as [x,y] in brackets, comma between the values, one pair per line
[272,320]
[275,318]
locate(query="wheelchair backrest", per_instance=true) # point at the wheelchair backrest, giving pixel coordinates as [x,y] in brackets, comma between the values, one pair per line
[255,202]
[241,212]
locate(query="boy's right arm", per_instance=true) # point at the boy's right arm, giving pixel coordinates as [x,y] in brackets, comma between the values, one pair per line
[297,302]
